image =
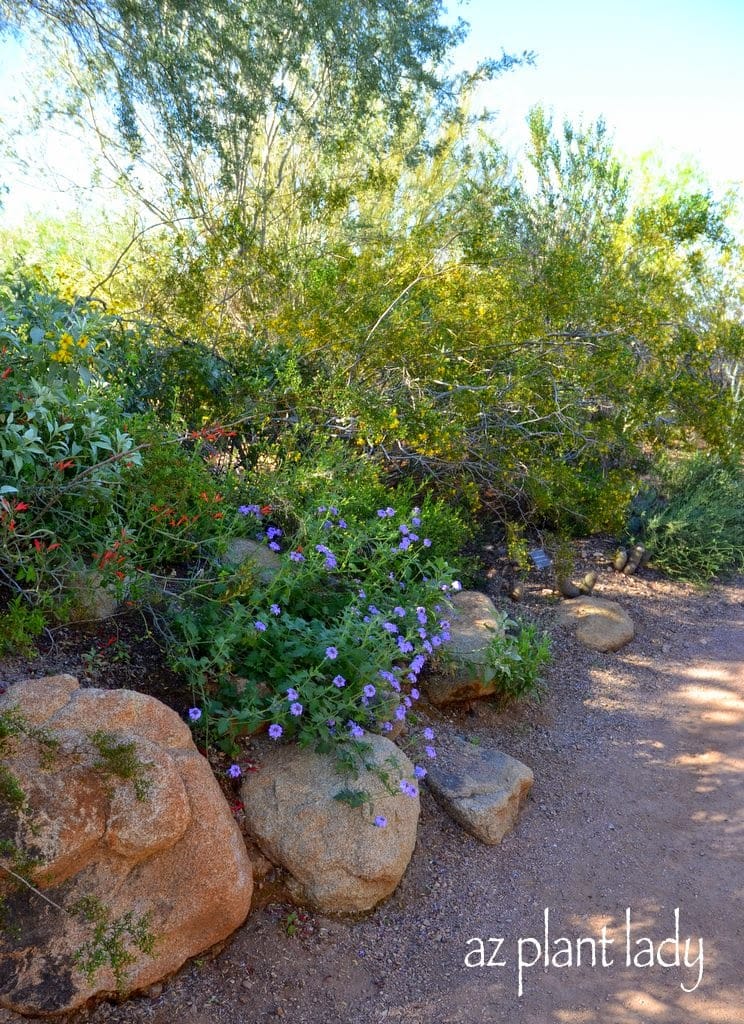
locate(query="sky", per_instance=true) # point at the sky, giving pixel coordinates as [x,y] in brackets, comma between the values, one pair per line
[666,76]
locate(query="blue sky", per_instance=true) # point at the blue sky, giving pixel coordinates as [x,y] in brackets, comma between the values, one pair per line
[665,75]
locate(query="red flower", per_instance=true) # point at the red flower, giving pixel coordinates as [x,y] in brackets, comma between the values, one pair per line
[20,506]
[6,373]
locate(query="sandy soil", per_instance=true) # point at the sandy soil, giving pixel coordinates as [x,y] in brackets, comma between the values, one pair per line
[639,763]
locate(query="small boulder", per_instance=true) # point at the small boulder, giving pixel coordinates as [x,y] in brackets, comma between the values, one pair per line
[599,624]
[241,550]
[467,672]
[122,816]
[482,789]
[338,859]
[91,598]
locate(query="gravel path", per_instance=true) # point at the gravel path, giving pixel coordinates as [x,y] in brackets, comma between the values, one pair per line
[639,763]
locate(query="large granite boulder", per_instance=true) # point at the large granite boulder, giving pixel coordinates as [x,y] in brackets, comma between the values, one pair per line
[338,860]
[265,562]
[482,788]
[125,834]
[466,672]
[599,624]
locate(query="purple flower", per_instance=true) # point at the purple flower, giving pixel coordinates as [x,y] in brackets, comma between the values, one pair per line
[390,627]
[373,609]
[195,714]
[381,513]
[296,708]
[387,676]
[407,701]
[275,609]
[418,663]
[234,771]
[400,612]
[427,647]
[275,731]
[273,532]
[339,681]
[428,734]
[415,694]
[327,524]
[260,626]
[421,615]
[381,821]
[456,585]
[356,730]
[331,653]
[436,641]
[322,509]
[446,636]
[292,694]
[322,549]
[426,542]
[249,510]
[369,690]
[400,713]
[362,595]
[296,556]
[413,537]
[333,510]
[403,529]
[330,562]
[274,546]
[419,772]
[387,726]
[389,512]
[404,544]
[430,752]
[405,646]
[416,520]
[342,524]
[407,788]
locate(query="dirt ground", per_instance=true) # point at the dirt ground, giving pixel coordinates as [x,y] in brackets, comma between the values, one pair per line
[637,807]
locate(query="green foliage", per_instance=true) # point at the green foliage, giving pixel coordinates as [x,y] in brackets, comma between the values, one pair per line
[518,658]
[20,625]
[694,527]
[324,642]
[113,943]
[120,758]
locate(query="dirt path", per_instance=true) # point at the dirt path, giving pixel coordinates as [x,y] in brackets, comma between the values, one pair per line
[638,803]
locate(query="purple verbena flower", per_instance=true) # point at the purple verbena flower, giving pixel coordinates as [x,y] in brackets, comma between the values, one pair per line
[331,653]
[296,709]
[292,694]
[195,714]
[275,609]
[428,733]
[296,556]
[274,546]
[260,626]
[275,731]
[339,681]
[387,726]
[369,690]
[390,627]
[400,713]
[234,771]
[419,772]
[400,612]
[356,730]
[430,752]
[426,542]
[381,821]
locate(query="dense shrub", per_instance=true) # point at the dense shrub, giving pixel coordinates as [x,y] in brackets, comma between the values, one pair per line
[693,525]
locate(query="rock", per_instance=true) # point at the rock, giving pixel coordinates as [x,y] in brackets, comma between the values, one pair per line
[517,592]
[148,834]
[567,588]
[338,860]
[600,624]
[467,672]
[482,789]
[92,600]
[241,550]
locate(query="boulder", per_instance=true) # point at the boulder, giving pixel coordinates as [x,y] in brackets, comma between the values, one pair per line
[338,860]
[126,828]
[481,788]
[241,550]
[91,599]
[466,672]
[599,624]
